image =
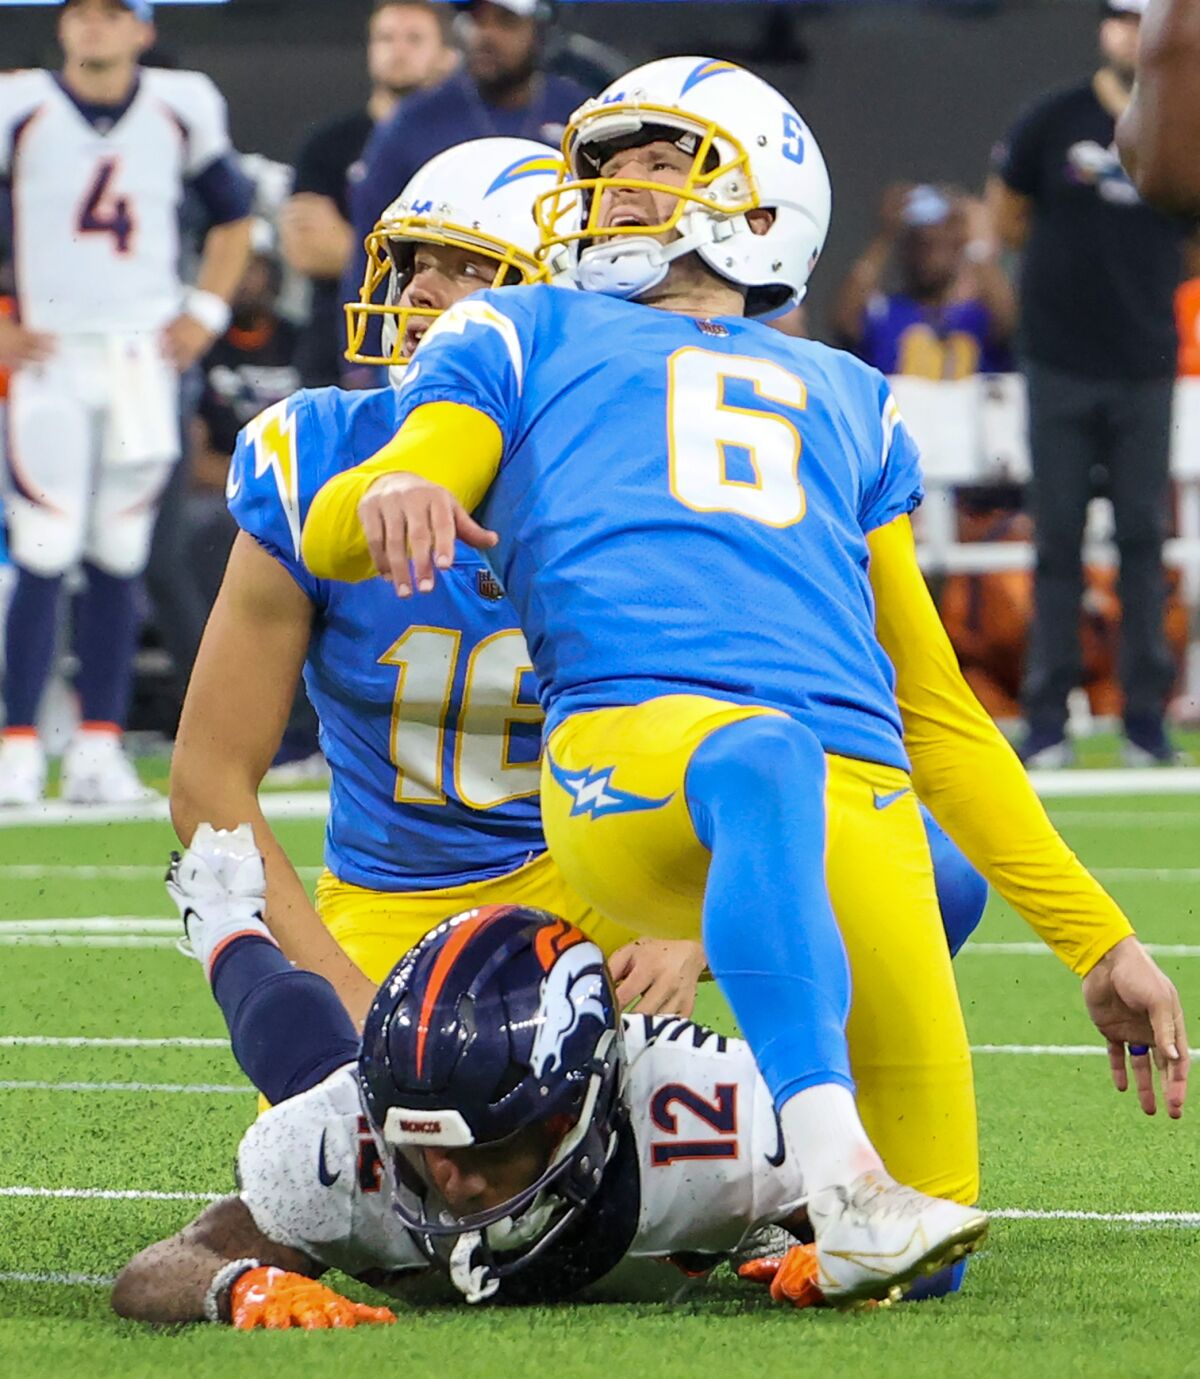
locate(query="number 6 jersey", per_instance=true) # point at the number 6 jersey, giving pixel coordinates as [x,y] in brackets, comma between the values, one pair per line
[96,193]
[682,504]
[700,1170]
[429,712]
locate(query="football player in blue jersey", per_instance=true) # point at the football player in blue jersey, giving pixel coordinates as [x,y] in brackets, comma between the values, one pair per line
[704,528]
[431,729]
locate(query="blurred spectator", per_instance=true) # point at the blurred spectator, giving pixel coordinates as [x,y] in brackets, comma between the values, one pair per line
[407,48]
[503,91]
[1099,346]
[952,311]
[105,150]
[248,369]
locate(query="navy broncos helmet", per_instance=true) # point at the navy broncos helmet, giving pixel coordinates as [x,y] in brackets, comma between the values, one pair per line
[499,1019]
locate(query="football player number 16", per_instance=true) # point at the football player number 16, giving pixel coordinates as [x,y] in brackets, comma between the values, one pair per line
[703,429]
[426,661]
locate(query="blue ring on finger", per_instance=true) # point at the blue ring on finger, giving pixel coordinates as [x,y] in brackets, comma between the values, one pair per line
[1138,1050]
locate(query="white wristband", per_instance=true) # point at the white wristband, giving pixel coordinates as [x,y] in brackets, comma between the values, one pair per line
[225,1277]
[979,251]
[213,312]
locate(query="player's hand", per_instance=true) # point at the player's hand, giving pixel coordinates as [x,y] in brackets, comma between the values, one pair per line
[792,1278]
[1132,1002]
[408,521]
[185,341]
[660,974]
[313,235]
[19,345]
[277,1300]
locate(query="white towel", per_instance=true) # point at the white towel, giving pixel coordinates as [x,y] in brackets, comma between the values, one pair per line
[143,402]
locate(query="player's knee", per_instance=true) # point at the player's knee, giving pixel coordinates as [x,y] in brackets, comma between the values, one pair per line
[961,891]
[758,757]
[122,546]
[44,543]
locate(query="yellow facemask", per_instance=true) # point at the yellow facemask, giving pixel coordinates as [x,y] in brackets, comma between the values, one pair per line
[700,188]
[513,264]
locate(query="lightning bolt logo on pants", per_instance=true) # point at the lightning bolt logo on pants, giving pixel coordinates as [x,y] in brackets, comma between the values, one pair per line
[592,792]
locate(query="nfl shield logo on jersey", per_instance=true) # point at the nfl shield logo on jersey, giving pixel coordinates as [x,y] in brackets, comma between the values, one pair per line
[487,586]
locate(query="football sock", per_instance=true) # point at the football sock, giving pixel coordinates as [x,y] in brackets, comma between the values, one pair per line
[29,639]
[107,624]
[961,891]
[287,1027]
[756,792]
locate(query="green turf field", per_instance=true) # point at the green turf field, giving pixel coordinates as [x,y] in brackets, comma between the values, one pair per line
[1080,1276]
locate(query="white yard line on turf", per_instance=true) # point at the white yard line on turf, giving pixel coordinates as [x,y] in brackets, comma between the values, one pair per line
[183,1088]
[93,924]
[299,804]
[82,941]
[68,1280]
[107,1194]
[81,1041]
[1127,1218]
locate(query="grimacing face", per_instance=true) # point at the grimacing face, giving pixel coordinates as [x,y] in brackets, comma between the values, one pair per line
[658,161]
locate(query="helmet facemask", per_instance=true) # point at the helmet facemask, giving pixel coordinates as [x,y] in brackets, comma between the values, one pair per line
[391,248]
[717,192]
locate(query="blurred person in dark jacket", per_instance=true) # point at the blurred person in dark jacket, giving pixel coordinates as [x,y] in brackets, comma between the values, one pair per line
[408,48]
[503,89]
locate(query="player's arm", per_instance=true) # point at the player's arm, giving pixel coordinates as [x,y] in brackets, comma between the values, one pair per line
[170,1280]
[1159,133]
[1011,212]
[237,705]
[972,781]
[865,277]
[223,1268]
[408,503]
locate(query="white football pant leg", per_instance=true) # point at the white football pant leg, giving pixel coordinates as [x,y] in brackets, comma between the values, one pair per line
[123,510]
[52,445]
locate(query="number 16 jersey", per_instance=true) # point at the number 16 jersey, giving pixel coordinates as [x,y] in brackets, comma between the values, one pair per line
[682,504]
[429,713]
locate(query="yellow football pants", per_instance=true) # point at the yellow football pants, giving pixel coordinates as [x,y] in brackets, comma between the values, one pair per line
[647,869]
[376,928]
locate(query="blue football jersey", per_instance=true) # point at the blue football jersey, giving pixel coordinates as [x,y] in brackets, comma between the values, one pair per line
[429,712]
[683,504]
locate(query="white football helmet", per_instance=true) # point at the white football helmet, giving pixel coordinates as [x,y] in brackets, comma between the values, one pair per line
[476,196]
[749,149]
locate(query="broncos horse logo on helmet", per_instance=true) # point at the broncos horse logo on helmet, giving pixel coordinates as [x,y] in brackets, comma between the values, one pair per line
[500,1021]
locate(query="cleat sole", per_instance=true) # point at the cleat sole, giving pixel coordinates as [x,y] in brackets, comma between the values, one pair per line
[885,1292]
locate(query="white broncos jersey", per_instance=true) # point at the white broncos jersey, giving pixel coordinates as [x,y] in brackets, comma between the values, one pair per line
[96,205]
[710,1159]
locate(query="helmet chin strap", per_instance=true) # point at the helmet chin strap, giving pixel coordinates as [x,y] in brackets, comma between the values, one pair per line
[629,266]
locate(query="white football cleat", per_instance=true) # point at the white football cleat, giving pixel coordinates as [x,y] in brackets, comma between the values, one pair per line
[220,888]
[875,1238]
[95,770]
[22,770]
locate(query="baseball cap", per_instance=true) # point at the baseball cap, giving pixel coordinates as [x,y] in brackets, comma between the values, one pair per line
[140,9]
[527,9]
[926,205]
[1123,9]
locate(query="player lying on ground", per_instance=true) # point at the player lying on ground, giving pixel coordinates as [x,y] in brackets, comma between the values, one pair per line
[496,1083]
[704,529]
[432,729]
[1159,134]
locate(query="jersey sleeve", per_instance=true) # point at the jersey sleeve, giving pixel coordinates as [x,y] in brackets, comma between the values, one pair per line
[275,471]
[475,354]
[296,1168]
[893,465]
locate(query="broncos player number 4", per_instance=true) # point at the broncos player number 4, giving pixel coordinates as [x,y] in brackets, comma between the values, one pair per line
[493,701]
[726,454]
